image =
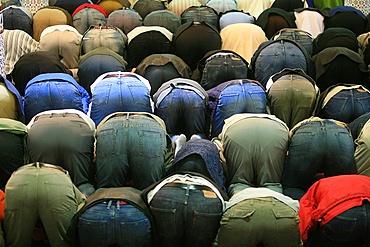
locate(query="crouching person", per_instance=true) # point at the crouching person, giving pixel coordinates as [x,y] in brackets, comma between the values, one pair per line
[39,191]
[112,217]
[259,216]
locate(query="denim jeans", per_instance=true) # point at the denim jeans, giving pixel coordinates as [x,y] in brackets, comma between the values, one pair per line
[347,105]
[87,17]
[186,217]
[184,112]
[349,228]
[114,223]
[130,148]
[113,38]
[54,91]
[124,94]
[317,146]
[237,98]
[277,56]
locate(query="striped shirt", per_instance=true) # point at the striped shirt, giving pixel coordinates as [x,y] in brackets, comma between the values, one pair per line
[16,44]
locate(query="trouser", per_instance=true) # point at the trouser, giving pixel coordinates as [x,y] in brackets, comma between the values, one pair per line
[38,192]
[237,98]
[346,105]
[130,148]
[184,112]
[362,151]
[12,149]
[66,140]
[349,228]
[292,99]
[255,221]
[255,150]
[317,146]
[186,217]
[114,222]
[64,44]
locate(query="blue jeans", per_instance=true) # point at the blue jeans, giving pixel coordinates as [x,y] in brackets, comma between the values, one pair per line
[347,105]
[186,217]
[277,56]
[54,91]
[87,17]
[238,98]
[317,146]
[130,149]
[125,94]
[349,228]
[184,112]
[114,223]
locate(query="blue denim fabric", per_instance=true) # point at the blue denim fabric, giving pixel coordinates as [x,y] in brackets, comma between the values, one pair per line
[130,149]
[238,98]
[94,66]
[349,228]
[125,94]
[317,146]
[184,112]
[347,105]
[54,91]
[111,223]
[277,56]
[87,17]
[185,217]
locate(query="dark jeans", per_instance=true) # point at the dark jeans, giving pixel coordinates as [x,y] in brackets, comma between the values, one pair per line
[317,146]
[186,217]
[350,228]
[184,112]
[347,105]
[114,223]
[130,148]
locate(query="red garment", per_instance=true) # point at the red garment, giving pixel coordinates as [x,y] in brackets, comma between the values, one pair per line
[2,197]
[330,197]
[90,5]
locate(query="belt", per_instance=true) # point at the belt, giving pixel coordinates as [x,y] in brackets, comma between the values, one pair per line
[62,114]
[186,186]
[40,165]
[119,75]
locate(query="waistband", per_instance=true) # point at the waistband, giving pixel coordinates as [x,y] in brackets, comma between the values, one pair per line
[66,114]
[44,165]
[187,186]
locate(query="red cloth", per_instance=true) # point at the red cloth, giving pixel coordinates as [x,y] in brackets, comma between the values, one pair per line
[90,5]
[330,197]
